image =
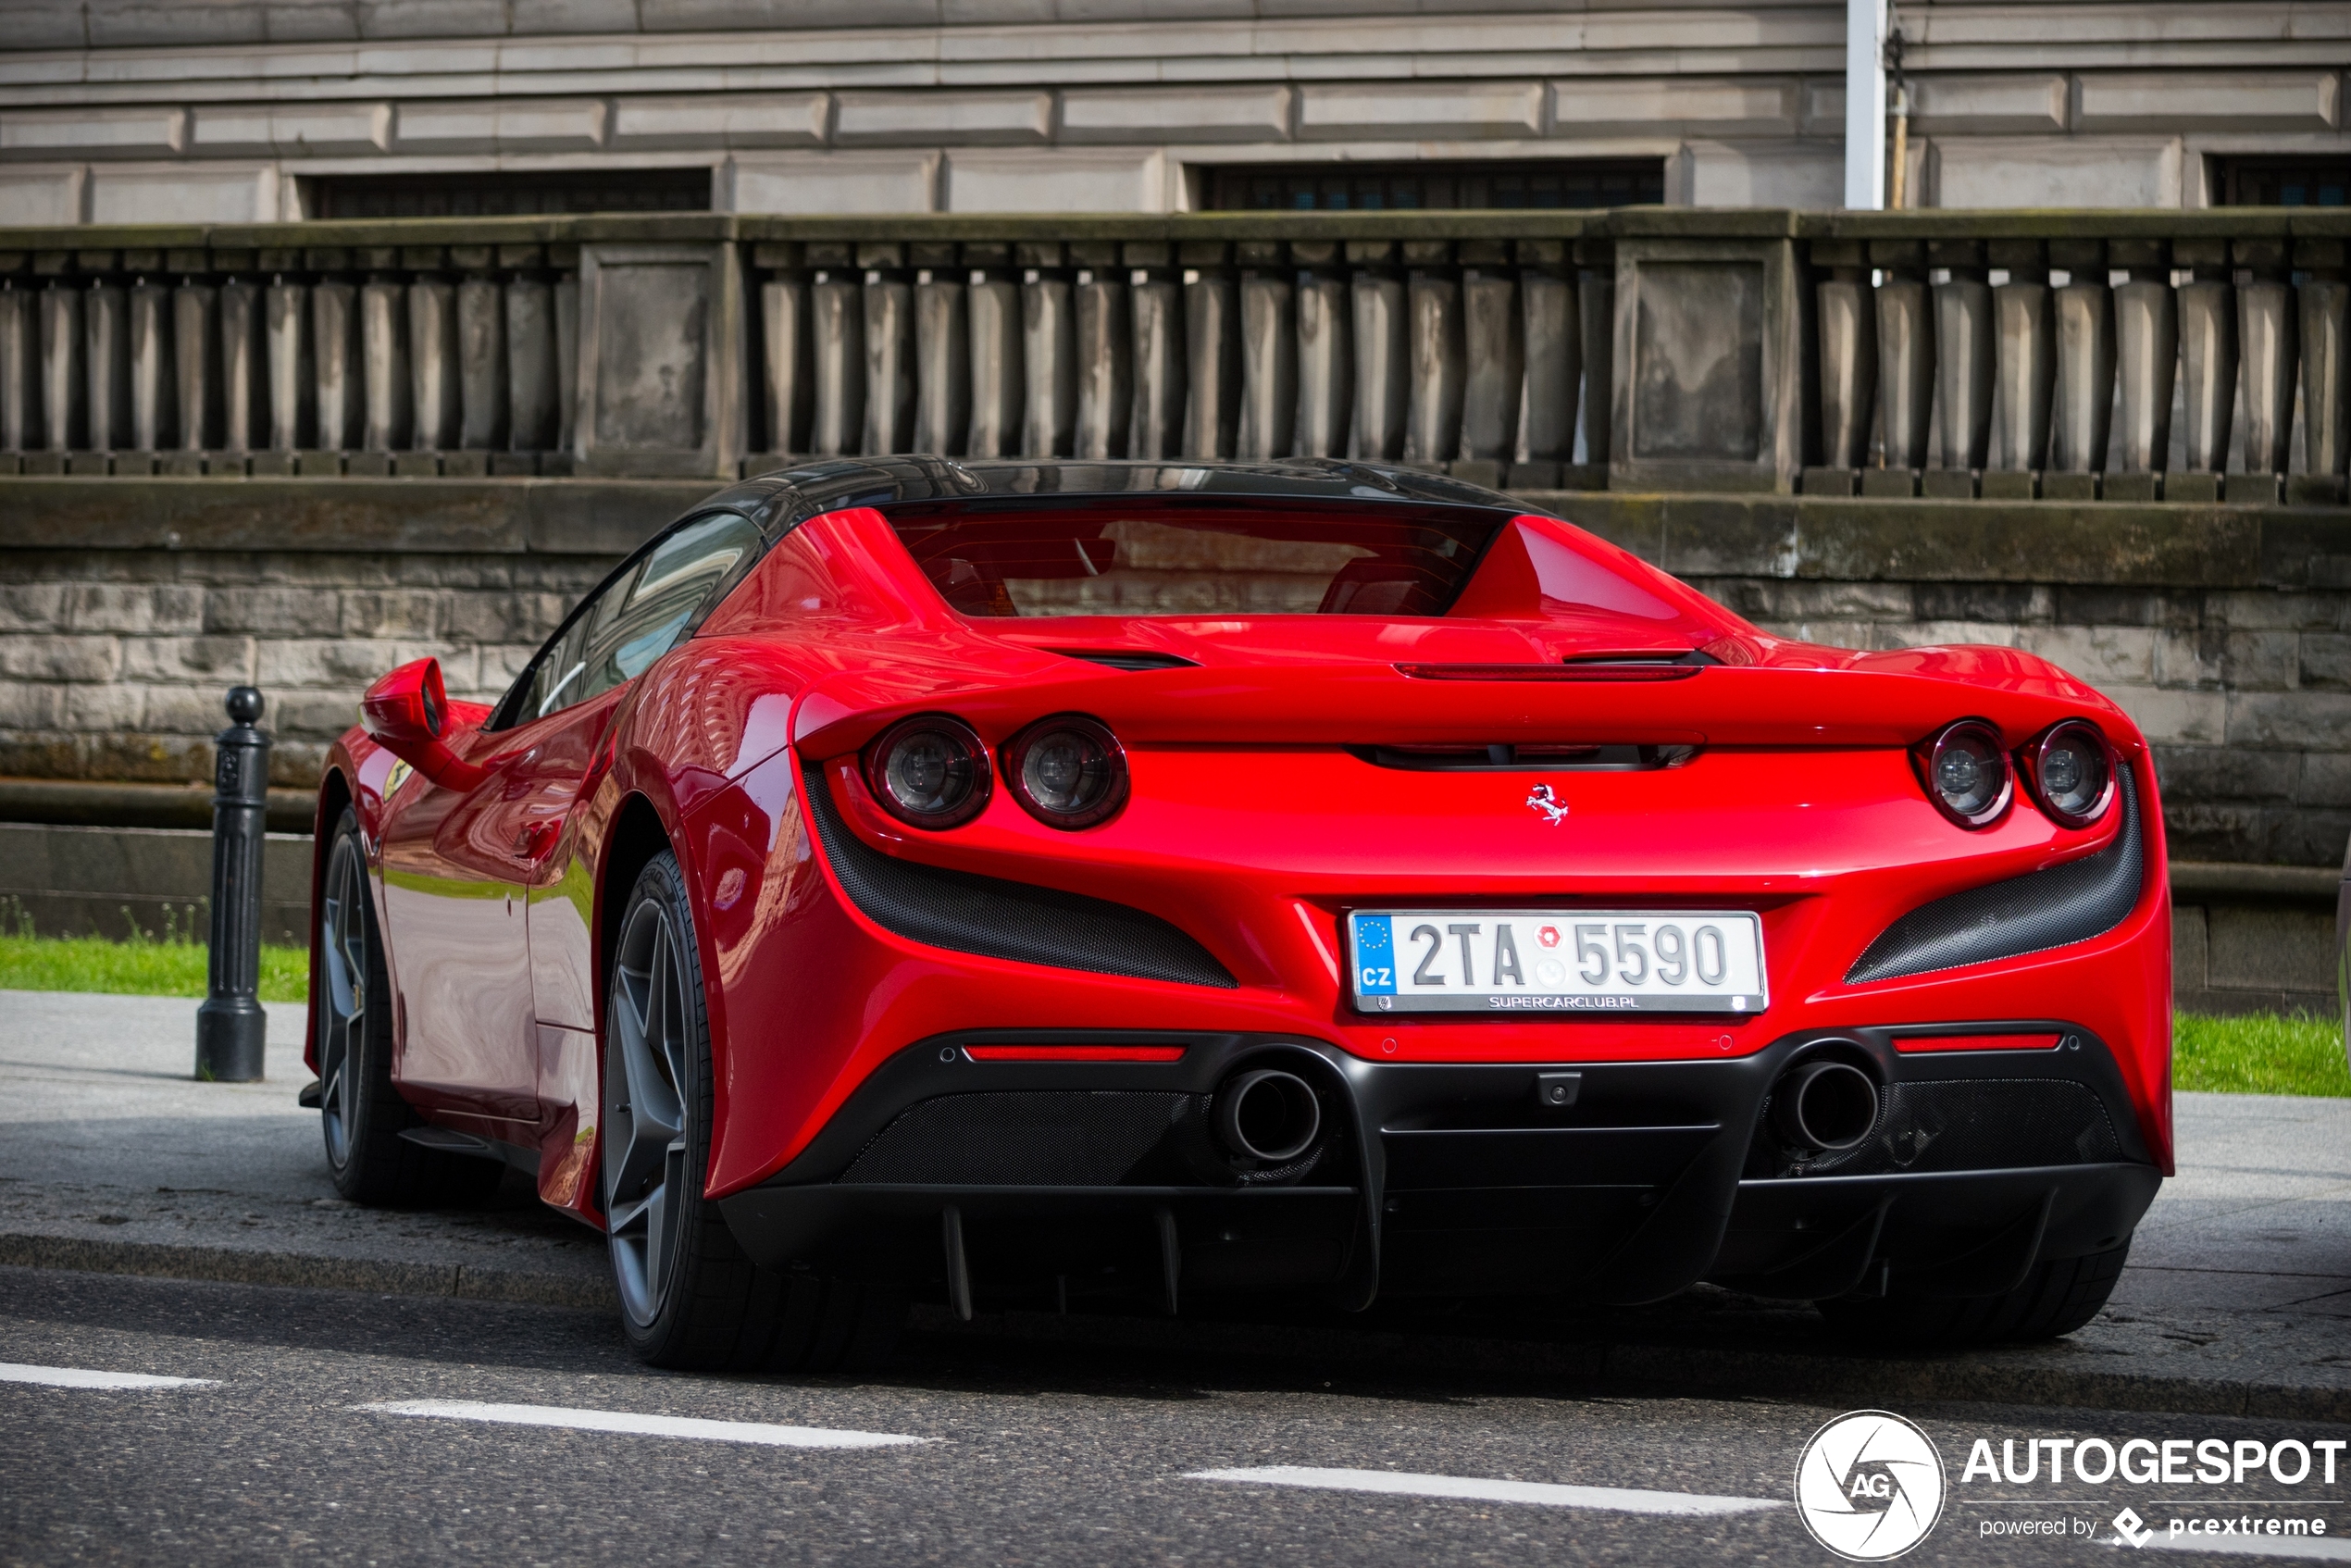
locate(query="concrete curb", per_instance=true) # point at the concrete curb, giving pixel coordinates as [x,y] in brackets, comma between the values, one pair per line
[234,1266]
[2019,1377]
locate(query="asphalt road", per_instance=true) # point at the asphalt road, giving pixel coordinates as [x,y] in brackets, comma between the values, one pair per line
[1025,1455]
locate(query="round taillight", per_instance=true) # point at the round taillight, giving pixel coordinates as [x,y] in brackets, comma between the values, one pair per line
[1068,771]
[928,771]
[2073,774]
[1967,773]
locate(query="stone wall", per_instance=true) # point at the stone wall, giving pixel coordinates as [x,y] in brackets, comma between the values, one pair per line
[127,608]
[2224,632]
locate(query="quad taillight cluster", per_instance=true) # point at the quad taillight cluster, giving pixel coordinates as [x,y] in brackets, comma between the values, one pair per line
[2069,770]
[933,771]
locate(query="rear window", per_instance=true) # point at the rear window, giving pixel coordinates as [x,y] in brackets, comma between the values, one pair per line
[1141,557]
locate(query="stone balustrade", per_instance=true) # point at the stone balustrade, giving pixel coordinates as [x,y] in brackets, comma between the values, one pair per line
[2068,356]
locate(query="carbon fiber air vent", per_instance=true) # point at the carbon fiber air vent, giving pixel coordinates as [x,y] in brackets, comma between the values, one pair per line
[2068,903]
[1010,920]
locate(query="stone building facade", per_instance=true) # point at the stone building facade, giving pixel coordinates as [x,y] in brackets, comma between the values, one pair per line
[257,110]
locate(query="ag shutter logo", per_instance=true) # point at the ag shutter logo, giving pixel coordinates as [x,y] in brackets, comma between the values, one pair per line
[1869,1486]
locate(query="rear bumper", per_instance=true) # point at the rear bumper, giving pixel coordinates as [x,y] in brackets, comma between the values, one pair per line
[1453,1178]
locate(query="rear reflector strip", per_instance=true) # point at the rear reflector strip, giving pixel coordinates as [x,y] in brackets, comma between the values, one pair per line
[1975,1043]
[1074,1052]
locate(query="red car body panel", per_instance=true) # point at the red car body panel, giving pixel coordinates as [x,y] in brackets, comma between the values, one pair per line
[1252,827]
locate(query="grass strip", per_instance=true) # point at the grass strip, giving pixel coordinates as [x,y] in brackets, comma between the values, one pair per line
[145,968]
[2259,1053]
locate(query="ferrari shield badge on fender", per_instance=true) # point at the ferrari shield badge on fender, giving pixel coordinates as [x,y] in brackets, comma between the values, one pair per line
[1541,798]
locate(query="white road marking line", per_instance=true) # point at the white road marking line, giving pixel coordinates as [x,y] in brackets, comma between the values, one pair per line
[643,1425]
[1622,1499]
[2310,1548]
[82,1377]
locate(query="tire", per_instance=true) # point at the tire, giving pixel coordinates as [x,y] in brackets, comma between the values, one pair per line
[2057,1296]
[689,1296]
[360,1113]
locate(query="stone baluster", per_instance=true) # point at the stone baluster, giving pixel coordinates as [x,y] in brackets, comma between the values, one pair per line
[1320,360]
[1494,352]
[564,259]
[1595,295]
[335,351]
[2268,337]
[890,348]
[1049,352]
[1269,351]
[534,408]
[1904,352]
[1966,353]
[484,388]
[2207,310]
[1554,349]
[2146,351]
[434,356]
[106,362]
[1000,380]
[2024,336]
[1155,301]
[1845,311]
[19,368]
[195,351]
[1212,350]
[1382,351]
[1433,300]
[293,372]
[942,353]
[383,336]
[153,414]
[244,364]
[2085,310]
[1106,350]
[837,340]
[2324,302]
[62,391]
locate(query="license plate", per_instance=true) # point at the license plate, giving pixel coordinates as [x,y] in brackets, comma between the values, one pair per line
[1558,960]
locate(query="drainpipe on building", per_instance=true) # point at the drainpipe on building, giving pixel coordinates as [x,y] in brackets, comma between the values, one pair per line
[1899,177]
[1865,104]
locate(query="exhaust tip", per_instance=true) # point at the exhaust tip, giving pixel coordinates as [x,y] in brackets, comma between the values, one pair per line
[1269,1116]
[1828,1105]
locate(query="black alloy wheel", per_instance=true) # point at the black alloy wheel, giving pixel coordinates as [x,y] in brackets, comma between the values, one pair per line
[689,1296]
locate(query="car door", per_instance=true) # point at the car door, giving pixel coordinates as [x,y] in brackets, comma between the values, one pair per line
[459,955]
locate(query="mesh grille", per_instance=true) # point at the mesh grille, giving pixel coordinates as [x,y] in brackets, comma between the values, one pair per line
[1009,920]
[1071,1138]
[2068,903]
[1983,1125]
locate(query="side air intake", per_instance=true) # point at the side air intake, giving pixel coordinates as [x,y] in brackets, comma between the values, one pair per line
[1009,920]
[2068,903]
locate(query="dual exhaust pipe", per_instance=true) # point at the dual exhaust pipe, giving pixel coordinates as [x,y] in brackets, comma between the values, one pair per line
[1273,1116]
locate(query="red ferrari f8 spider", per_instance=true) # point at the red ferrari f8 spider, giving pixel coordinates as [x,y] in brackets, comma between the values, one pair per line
[1133,882]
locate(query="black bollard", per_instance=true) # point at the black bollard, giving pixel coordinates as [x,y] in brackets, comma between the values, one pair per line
[231,1029]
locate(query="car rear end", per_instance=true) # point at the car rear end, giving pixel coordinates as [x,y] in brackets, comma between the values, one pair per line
[1565,946]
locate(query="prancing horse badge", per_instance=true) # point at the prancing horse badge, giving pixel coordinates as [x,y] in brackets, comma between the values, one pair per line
[1541,799]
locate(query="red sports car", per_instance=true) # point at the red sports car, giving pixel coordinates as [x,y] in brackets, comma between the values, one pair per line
[1098,882]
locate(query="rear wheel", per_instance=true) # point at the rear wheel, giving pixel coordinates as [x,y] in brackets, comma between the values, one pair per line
[689,1296]
[2057,1296]
[359,1110]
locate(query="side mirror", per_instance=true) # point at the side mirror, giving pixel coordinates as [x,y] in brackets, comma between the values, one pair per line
[406,714]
